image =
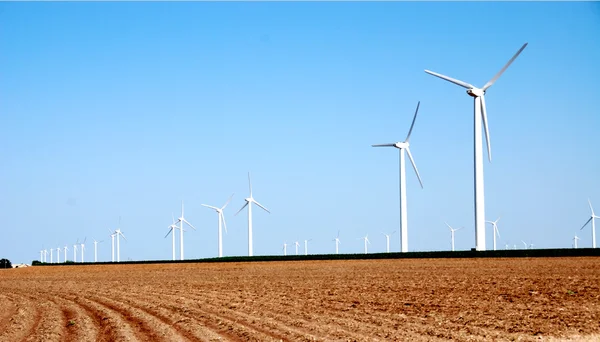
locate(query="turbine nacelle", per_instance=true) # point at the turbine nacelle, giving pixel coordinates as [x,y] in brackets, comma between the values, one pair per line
[475,92]
[401,145]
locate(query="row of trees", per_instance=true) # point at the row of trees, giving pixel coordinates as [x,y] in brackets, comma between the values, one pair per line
[5,263]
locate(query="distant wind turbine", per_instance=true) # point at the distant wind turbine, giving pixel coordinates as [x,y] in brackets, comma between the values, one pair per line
[401,146]
[366,239]
[172,229]
[181,221]
[221,218]
[119,232]
[51,259]
[452,231]
[96,249]
[75,251]
[112,245]
[495,230]
[480,112]
[387,240]
[525,243]
[285,248]
[296,244]
[575,241]
[58,255]
[248,204]
[66,249]
[83,249]
[593,218]
[337,243]
[306,246]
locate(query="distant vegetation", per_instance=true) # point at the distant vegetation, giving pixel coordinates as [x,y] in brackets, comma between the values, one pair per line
[5,263]
[518,253]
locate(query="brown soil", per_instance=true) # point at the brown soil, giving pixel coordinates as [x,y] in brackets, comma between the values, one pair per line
[360,300]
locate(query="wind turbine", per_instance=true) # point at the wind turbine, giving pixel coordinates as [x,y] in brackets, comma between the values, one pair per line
[42,255]
[480,114]
[172,228]
[66,249]
[112,245]
[285,248]
[401,146]
[119,232]
[531,245]
[248,204]
[593,218]
[525,243]
[387,240]
[575,241]
[366,238]
[51,250]
[452,230]
[75,251]
[337,243]
[306,246]
[83,249]
[221,218]
[297,244]
[58,255]
[495,230]
[181,221]
[96,249]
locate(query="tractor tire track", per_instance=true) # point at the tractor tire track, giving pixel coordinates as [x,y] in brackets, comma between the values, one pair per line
[47,327]
[23,321]
[80,322]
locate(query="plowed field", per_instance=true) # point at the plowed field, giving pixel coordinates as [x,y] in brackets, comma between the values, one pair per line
[358,300]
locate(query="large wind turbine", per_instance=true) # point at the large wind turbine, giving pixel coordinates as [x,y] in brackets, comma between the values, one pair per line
[172,228]
[181,221]
[337,243]
[480,114]
[366,238]
[593,218]
[401,146]
[387,240]
[248,204]
[221,218]
[495,230]
[452,230]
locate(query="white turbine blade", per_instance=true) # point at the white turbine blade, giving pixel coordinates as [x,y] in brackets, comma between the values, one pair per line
[392,233]
[498,219]
[120,233]
[224,224]
[110,231]
[588,221]
[189,224]
[245,205]
[450,79]
[209,206]
[384,145]
[489,84]
[170,230]
[497,230]
[226,203]
[260,205]
[173,217]
[412,161]
[448,225]
[592,209]
[250,184]
[485,126]
[413,122]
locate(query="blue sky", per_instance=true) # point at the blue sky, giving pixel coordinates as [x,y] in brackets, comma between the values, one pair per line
[125,109]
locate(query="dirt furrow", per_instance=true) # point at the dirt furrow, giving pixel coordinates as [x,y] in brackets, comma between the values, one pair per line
[145,326]
[8,309]
[81,324]
[24,320]
[49,326]
[182,323]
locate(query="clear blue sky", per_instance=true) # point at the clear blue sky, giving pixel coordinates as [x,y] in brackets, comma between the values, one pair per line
[124,109]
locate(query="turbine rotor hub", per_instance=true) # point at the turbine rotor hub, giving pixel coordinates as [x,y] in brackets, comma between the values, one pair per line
[475,92]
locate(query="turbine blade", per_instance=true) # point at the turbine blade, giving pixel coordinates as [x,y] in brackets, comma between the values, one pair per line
[450,79]
[485,126]
[448,225]
[592,209]
[413,122]
[588,221]
[245,205]
[189,224]
[224,224]
[173,217]
[226,203]
[170,230]
[497,230]
[260,205]
[493,80]
[384,145]
[120,233]
[414,165]
[209,206]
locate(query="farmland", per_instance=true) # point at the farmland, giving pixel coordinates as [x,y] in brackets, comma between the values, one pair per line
[330,300]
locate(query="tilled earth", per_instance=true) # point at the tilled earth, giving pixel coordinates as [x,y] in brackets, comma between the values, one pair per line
[355,300]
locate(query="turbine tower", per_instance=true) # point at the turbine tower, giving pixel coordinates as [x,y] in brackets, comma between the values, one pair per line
[83,248]
[75,251]
[248,204]
[452,231]
[575,241]
[297,244]
[337,243]
[387,240]
[366,238]
[58,255]
[119,232]
[306,246]
[96,249]
[495,230]
[221,218]
[480,114]
[593,218]
[66,249]
[172,228]
[51,258]
[285,248]
[401,146]
[112,245]
[181,221]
